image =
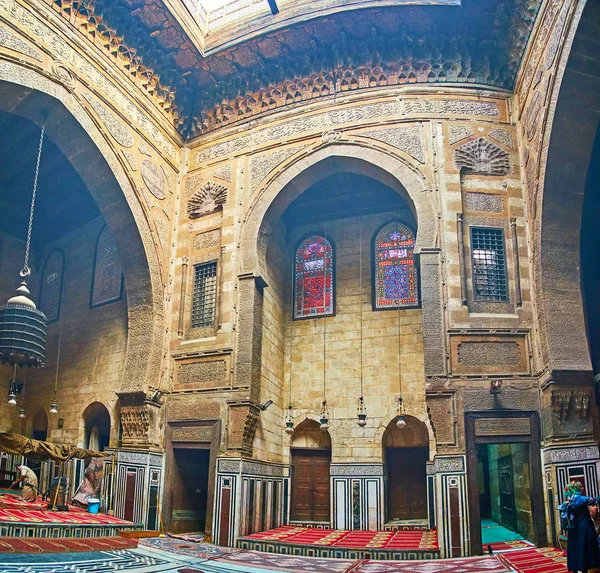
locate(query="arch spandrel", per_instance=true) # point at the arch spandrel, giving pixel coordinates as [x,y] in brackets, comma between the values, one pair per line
[25,92]
[309,168]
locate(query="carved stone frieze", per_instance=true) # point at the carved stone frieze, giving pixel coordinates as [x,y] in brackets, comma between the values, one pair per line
[331,136]
[251,467]
[210,197]
[205,374]
[488,353]
[118,131]
[571,454]
[503,136]
[443,418]
[408,139]
[483,157]
[16,44]
[163,230]
[207,240]
[130,158]
[139,420]
[192,183]
[230,466]
[531,115]
[484,202]
[455,464]
[196,434]
[554,41]
[154,178]
[224,172]
[262,165]
[356,470]
[449,107]
[502,426]
[188,409]
[243,418]
[459,132]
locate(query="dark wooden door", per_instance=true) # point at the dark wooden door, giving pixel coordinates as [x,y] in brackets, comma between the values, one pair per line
[507,492]
[189,490]
[407,483]
[310,493]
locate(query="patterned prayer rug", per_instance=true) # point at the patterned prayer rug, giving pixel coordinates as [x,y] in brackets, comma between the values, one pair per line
[45,516]
[65,545]
[187,548]
[489,564]
[502,546]
[537,560]
[398,539]
[270,562]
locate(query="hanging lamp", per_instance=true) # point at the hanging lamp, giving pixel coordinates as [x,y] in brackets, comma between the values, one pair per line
[22,412]
[361,410]
[22,326]
[289,414]
[13,390]
[401,421]
[53,404]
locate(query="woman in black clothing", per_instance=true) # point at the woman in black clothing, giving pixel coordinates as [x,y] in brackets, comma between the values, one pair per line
[582,541]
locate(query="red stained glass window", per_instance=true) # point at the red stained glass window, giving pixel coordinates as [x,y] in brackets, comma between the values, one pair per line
[313,278]
[395,273]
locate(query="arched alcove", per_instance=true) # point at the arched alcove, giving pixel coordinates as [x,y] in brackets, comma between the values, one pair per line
[96,427]
[311,459]
[39,427]
[405,452]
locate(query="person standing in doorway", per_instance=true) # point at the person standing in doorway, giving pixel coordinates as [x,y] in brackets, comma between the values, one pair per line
[582,541]
[29,481]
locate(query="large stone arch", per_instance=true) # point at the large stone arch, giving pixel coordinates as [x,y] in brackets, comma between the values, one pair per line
[572,124]
[353,157]
[25,92]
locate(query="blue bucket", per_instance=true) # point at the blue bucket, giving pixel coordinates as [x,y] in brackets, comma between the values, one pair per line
[93,505]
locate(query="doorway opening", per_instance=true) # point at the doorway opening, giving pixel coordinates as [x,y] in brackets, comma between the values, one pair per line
[311,460]
[96,422]
[504,480]
[406,453]
[189,497]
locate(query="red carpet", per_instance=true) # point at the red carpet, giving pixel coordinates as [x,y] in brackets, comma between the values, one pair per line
[400,539]
[71,517]
[544,560]
[45,545]
[508,546]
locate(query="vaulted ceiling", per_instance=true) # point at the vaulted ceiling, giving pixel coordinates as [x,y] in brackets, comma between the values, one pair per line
[479,42]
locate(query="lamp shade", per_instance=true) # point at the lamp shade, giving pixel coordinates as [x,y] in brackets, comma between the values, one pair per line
[22,331]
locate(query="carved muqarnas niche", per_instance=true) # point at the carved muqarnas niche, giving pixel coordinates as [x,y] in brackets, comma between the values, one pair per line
[482,156]
[209,198]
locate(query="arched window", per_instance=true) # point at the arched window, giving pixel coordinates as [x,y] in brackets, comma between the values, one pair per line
[51,286]
[313,278]
[107,281]
[395,277]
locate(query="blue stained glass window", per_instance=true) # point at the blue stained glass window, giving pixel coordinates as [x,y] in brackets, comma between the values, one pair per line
[395,273]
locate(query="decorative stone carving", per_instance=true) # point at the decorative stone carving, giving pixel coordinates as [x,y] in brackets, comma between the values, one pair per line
[230,466]
[262,165]
[554,41]
[457,133]
[191,434]
[221,149]
[135,421]
[207,240]
[531,116]
[263,469]
[408,139]
[503,136]
[64,75]
[356,470]
[571,454]
[163,230]
[442,416]
[480,399]
[564,402]
[502,426]
[210,197]
[483,157]
[154,178]
[14,43]
[119,132]
[449,107]
[144,149]
[192,183]
[224,172]
[180,410]
[488,353]
[130,158]
[206,374]
[485,202]
[449,465]
[331,136]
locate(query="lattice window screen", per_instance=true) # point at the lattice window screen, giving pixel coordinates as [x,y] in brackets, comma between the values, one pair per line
[489,264]
[204,302]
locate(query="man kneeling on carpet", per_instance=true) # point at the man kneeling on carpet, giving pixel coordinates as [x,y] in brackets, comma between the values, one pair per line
[30,483]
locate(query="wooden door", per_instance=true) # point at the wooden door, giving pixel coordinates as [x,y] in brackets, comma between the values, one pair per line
[310,492]
[407,483]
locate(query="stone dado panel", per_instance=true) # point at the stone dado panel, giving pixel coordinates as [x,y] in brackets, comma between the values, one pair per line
[489,354]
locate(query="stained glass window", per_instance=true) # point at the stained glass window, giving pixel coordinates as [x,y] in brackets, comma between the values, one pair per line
[107,282]
[313,278]
[51,287]
[395,273]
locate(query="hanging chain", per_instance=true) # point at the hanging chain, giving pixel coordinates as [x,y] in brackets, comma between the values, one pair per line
[26,271]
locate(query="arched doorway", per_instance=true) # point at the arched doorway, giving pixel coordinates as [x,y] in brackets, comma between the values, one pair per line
[311,458]
[405,452]
[39,428]
[96,420]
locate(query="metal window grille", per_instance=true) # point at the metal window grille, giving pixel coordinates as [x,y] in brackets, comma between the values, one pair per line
[204,300]
[489,264]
